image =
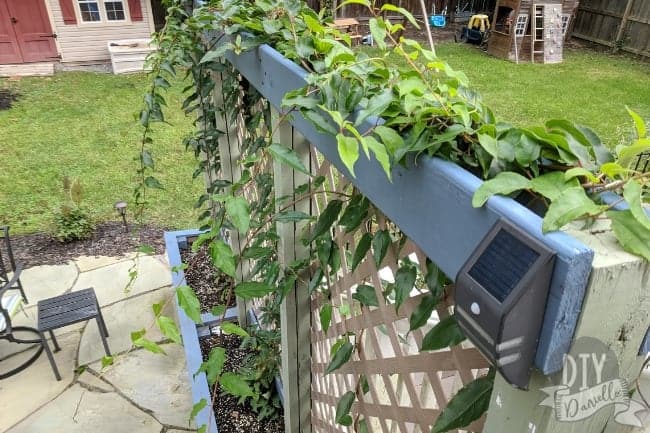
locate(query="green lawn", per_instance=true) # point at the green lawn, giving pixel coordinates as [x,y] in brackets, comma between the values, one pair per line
[589,88]
[82,125]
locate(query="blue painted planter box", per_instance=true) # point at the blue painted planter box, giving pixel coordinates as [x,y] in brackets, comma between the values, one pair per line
[174,242]
[431,203]
[191,332]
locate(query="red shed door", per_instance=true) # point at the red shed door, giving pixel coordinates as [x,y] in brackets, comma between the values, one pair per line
[9,51]
[32,29]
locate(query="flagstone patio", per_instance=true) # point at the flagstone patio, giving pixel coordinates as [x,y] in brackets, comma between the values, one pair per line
[141,393]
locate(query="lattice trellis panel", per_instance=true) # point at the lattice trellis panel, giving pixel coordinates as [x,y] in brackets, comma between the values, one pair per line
[407,388]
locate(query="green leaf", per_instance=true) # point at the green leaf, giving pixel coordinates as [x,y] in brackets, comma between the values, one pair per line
[198,407]
[292,216]
[380,243]
[571,204]
[252,289]
[287,156]
[343,409]
[354,213]
[362,249]
[389,137]
[326,219]
[348,148]
[239,212]
[552,185]
[376,104]
[366,295]
[236,385]
[218,310]
[468,405]
[379,150]
[504,183]
[147,345]
[152,182]
[580,172]
[404,283]
[446,333]
[107,360]
[632,192]
[223,257]
[407,14]
[422,312]
[213,366]
[641,129]
[169,329]
[341,356]
[188,301]
[628,155]
[613,170]
[232,328]
[326,317]
[633,237]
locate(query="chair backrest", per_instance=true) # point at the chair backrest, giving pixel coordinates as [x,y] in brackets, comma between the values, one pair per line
[7,260]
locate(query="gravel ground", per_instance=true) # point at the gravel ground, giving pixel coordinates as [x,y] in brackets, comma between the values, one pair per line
[210,285]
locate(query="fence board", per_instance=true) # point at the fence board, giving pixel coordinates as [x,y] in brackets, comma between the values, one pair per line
[620,24]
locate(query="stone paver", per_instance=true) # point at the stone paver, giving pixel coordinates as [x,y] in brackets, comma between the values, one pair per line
[89,263]
[25,392]
[121,319]
[142,383]
[94,383]
[81,411]
[154,382]
[110,281]
[42,282]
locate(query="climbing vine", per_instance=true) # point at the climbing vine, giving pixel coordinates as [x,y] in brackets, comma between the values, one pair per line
[560,169]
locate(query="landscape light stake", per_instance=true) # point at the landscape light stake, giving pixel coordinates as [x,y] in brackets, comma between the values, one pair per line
[120,207]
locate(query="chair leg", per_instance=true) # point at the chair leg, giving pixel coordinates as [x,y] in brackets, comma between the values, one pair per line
[56,343]
[103,323]
[101,334]
[50,357]
[22,291]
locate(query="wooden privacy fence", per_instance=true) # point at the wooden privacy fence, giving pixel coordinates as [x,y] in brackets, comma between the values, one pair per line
[620,24]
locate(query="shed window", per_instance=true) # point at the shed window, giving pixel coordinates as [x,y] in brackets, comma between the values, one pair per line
[95,11]
[89,11]
[114,11]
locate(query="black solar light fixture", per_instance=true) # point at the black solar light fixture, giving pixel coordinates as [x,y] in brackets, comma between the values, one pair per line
[120,207]
[500,299]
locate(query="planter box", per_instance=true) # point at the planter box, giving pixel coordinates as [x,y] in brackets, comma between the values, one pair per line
[129,55]
[431,203]
[191,332]
[174,242]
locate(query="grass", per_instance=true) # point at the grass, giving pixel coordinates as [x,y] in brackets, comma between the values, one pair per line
[82,125]
[589,88]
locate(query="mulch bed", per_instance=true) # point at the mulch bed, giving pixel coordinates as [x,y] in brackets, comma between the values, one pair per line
[231,416]
[7,97]
[109,239]
[210,285]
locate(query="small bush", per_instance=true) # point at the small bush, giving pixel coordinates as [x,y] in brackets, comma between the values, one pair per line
[72,222]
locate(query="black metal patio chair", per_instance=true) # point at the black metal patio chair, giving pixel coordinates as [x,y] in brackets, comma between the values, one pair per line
[9,270]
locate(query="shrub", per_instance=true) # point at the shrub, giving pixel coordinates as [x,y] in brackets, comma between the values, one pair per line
[72,222]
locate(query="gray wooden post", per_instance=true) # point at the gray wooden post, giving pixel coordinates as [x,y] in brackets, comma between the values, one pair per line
[618,42]
[229,152]
[615,311]
[295,312]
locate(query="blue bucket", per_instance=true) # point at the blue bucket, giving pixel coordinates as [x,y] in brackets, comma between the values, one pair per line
[438,20]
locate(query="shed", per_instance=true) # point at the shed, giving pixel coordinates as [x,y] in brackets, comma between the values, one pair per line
[530,30]
[37,34]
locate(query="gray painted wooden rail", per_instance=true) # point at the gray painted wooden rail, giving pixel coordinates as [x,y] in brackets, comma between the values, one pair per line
[431,203]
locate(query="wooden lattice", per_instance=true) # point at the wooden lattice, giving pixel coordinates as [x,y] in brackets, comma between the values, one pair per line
[407,388]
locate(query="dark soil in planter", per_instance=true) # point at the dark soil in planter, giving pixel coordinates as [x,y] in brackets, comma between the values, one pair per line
[7,97]
[210,285]
[231,416]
